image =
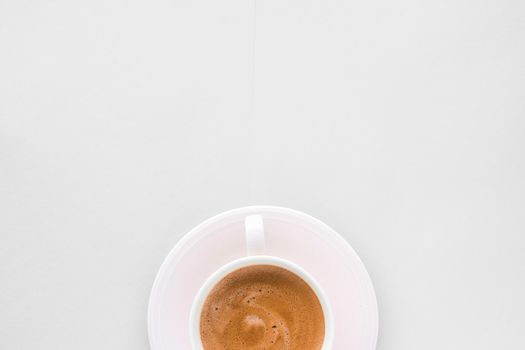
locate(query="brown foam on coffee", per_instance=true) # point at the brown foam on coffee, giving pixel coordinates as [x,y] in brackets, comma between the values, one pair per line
[262,307]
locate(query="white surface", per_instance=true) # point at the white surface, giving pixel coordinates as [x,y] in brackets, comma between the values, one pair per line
[399,123]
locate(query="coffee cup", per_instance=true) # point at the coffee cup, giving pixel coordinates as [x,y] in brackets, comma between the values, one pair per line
[256,248]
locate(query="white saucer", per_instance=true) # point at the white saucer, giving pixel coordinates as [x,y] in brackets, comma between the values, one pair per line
[290,234]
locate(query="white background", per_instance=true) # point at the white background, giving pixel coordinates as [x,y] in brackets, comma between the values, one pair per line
[125,123]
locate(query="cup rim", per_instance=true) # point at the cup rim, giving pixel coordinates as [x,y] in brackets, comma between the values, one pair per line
[220,273]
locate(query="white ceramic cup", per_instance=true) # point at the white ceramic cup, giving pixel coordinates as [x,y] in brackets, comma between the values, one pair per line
[255,247]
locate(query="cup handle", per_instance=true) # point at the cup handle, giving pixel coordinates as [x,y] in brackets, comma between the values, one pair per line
[255,240]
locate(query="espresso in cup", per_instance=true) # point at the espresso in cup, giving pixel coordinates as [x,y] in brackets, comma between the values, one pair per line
[262,307]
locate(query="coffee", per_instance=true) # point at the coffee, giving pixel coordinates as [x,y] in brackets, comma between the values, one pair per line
[262,307]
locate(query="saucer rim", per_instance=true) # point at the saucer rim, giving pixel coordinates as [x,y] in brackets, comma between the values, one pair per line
[185,242]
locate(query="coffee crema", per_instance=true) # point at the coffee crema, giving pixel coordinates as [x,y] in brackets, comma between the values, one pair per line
[262,307]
